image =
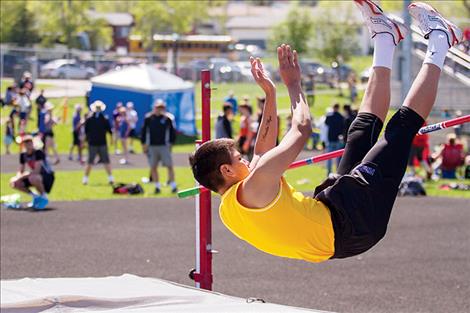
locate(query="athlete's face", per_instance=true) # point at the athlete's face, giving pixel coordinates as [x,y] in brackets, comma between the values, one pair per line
[240,165]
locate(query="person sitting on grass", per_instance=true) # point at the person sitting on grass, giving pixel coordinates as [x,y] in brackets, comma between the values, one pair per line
[41,176]
[349,212]
[451,156]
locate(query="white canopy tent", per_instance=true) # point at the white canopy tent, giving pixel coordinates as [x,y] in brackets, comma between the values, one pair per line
[143,84]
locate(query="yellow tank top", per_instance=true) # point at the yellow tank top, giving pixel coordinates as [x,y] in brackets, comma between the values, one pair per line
[291,226]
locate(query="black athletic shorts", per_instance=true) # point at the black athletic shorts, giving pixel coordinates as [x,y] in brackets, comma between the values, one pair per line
[361,197]
[47,181]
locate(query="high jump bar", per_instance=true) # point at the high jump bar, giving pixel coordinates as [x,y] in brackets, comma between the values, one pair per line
[335,154]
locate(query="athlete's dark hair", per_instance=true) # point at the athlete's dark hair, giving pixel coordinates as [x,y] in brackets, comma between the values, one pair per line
[206,161]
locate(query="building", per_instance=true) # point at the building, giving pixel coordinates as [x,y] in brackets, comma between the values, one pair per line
[121,24]
[250,24]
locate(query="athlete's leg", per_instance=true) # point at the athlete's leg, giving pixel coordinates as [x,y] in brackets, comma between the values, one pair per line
[390,154]
[366,128]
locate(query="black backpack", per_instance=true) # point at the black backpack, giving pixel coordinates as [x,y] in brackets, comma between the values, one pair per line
[131,189]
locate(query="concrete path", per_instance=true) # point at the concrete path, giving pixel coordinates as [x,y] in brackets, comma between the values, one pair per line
[10,162]
[422,264]
[63,88]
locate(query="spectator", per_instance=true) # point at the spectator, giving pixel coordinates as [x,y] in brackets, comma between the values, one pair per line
[352,82]
[466,40]
[124,131]
[96,127]
[233,101]
[132,119]
[77,133]
[458,128]
[9,135]
[115,135]
[349,116]
[27,83]
[467,167]
[246,101]
[323,130]
[25,109]
[40,102]
[10,95]
[13,113]
[41,176]
[47,132]
[157,136]
[223,125]
[246,136]
[418,146]
[452,156]
[315,136]
[309,87]
[335,122]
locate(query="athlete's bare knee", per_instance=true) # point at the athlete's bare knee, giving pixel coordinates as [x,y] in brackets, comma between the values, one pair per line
[35,179]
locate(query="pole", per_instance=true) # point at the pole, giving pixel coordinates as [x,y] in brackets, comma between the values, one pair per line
[203,275]
[406,54]
[335,154]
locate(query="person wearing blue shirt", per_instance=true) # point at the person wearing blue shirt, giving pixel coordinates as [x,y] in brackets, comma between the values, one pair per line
[233,101]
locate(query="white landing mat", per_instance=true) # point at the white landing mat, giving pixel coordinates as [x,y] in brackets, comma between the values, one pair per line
[126,293]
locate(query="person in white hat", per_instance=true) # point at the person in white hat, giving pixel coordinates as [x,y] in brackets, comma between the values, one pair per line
[96,127]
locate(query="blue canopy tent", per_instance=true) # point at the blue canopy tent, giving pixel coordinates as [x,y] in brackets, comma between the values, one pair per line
[143,85]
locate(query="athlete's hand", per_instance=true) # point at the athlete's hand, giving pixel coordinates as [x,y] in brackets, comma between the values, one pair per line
[260,76]
[289,68]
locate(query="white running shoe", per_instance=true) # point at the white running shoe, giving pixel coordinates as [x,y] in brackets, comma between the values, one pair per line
[379,23]
[430,19]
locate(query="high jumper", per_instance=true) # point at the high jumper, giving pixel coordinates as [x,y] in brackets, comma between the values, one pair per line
[349,213]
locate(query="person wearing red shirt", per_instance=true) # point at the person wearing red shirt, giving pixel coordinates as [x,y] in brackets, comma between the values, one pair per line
[419,145]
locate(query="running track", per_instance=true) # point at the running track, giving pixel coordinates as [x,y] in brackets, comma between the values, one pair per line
[422,265]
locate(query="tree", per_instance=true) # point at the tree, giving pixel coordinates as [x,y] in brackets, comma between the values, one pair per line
[166,17]
[335,38]
[17,23]
[62,21]
[295,30]
[112,5]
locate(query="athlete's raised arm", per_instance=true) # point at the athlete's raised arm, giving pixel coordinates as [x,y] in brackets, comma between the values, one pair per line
[262,185]
[268,129]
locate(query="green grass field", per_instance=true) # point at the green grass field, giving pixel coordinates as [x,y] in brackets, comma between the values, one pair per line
[303,179]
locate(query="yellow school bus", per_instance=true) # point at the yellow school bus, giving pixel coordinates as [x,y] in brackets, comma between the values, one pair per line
[187,46]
